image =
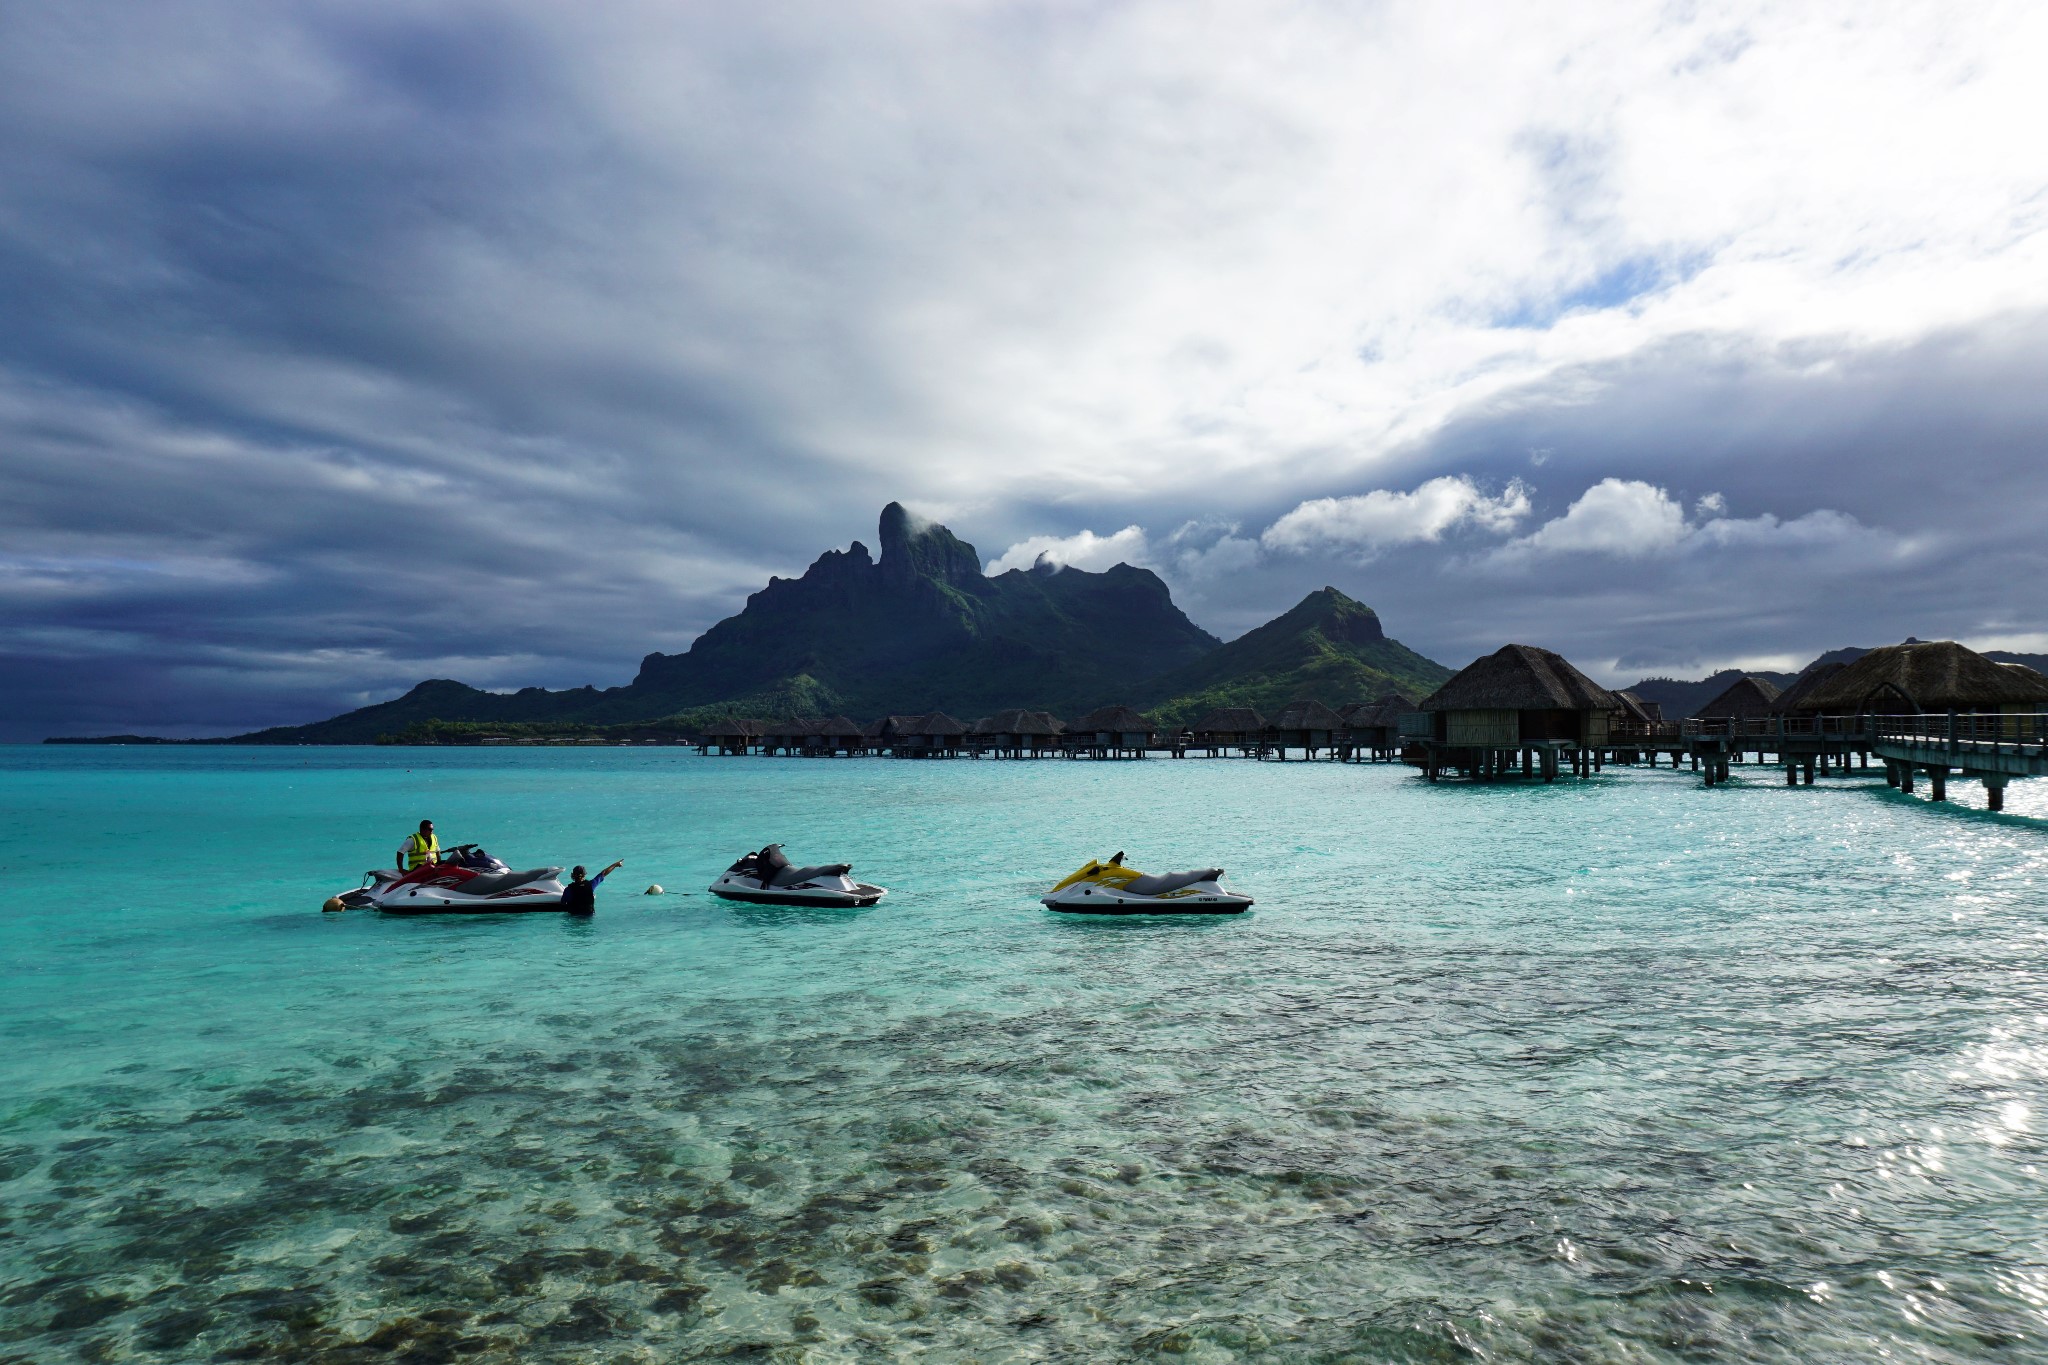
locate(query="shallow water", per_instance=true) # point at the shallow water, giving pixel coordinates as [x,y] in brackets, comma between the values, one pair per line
[1621,1070]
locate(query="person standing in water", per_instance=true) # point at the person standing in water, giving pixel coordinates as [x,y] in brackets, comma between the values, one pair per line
[579,897]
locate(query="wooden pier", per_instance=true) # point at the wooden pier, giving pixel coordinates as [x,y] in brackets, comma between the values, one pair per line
[1991,748]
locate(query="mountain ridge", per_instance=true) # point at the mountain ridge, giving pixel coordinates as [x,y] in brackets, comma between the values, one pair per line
[921,627]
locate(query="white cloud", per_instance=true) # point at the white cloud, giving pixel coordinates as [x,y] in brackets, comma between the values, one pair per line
[1615,516]
[1208,549]
[1082,550]
[1197,552]
[1370,522]
[1630,519]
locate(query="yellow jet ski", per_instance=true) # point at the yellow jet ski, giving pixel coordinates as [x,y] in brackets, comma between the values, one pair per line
[1112,889]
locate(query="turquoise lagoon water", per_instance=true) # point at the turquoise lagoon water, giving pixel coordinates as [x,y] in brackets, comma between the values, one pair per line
[1620,1070]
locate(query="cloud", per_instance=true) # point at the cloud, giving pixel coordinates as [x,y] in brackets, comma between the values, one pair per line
[1617,517]
[580,321]
[1082,550]
[1371,522]
[1202,553]
[1630,519]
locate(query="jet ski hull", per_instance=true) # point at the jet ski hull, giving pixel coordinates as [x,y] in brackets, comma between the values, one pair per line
[521,905]
[1100,904]
[456,889]
[432,901]
[748,892]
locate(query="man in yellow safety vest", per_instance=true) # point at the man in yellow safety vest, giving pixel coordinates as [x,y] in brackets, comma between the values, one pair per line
[419,849]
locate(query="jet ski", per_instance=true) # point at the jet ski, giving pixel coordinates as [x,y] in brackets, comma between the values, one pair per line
[767,878]
[467,881]
[1112,889]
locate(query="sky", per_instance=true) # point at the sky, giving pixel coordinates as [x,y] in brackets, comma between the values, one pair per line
[345,345]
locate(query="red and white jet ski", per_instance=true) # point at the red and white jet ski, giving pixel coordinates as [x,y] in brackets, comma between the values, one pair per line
[468,881]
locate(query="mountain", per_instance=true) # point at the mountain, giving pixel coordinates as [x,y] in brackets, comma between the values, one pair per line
[2037,662]
[918,628]
[1328,647]
[1680,698]
[923,628]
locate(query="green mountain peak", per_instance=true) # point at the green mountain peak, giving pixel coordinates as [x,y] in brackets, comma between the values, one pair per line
[1328,646]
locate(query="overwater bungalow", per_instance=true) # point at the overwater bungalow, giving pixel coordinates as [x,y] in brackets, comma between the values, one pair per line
[785,736]
[1017,733]
[1373,729]
[1632,710]
[1307,725]
[1229,727]
[834,735]
[1922,676]
[1747,698]
[729,736]
[1792,701]
[936,735]
[1517,700]
[888,732]
[1111,732]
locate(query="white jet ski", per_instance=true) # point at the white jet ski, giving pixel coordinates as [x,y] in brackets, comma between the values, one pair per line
[466,881]
[767,878]
[1112,889]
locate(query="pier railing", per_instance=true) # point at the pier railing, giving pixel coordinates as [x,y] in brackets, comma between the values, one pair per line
[1778,727]
[1968,734]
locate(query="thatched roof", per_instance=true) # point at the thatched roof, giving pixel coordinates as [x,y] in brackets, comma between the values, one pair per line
[1632,707]
[1520,678]
[733,728]
[939,725]
[1307,715]
[1113,720]
[888,727]
[835,727]
[1017,721]
[1383,713]
[1743,699]
[1927,675]
[1231,720]
[1793,698]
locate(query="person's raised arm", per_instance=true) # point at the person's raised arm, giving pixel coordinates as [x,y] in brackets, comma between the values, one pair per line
[616,865]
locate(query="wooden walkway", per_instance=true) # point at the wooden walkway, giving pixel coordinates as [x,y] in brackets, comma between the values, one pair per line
[1992,749]
[1986,747]
[1183,746]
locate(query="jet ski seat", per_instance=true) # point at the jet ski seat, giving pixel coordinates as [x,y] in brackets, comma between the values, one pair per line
[793,876]
[1169,881]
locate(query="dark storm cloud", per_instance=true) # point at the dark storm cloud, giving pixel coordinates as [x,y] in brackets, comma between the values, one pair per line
[349,344]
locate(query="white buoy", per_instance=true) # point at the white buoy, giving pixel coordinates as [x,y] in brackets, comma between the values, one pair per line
[654,890]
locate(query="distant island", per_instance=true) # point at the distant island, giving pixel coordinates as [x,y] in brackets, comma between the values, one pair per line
[921,628]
